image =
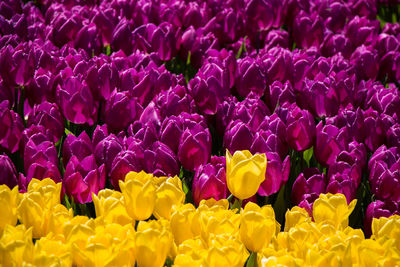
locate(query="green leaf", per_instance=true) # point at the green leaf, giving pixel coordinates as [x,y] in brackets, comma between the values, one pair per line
[252,261]
[67,132]
[188,58]
[185,187]
[237,204]
[242,48]
[307,155]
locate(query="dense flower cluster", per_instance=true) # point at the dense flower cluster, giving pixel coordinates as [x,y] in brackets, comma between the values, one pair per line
[139,109]
[210,235]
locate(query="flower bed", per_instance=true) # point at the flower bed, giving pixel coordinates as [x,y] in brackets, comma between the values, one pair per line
[218,132]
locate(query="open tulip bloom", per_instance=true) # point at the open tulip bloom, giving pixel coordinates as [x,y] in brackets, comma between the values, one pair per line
[199,133]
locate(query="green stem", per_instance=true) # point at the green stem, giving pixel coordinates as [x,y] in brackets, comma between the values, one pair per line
[230,198]
[252,261]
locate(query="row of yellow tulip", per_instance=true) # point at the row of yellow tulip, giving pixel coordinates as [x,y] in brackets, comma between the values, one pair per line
[211,235]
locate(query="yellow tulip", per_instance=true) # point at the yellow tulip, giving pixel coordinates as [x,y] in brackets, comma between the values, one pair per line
[181,223]
[8,206]
[152,244]
[244,173]
[48,189]
[296,216]
[168,195]
[16,246]
[333,209]
[226,250]
[257,226]
[139,195]
[192,252]
[51,251]
[218,222]
[59,216]
[109,204]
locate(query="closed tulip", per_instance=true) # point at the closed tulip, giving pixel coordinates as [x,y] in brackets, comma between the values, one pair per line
[109,205]
[257,226]
[169,195]
[139,194]
[152,244]
[8,206]
[244,173]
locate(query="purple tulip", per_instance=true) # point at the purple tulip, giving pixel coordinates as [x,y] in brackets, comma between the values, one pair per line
[330,141]
[250,77]
[194,147]
[106,151]
[102,78]
[40,87]
[379,209]
[121,110]
[80,146]
[40,170]
[88,38]
[210,181]
[8,173]
[122,37]
[238,136]
[11,127]
[160,160]
[308,30]
[48,115]
[276,175]
[386,100]
[82,178]
[124,162]
[265,141]
[342,183]
[174,101]
[393,136]
[277,37]
[277,64]
[170,132]
[311,182]
[279,94]
[366,63]
[300,128]
[384,174]
[318,98]
[225,113]
[264,14]
[361,30]
[39,150]
[336,43]
[76,101]
[374,129]
[99,134]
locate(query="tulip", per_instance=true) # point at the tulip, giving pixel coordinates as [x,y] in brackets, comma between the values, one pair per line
[210,181]
[139,195]
[250,77]
[8,200]
[49,116]
[16,246]
[365,62]
[309,182]
[160,160]
[171,132]
[121,106]
[11,127]
[50,250]
[109,205]
[300,128]
[152,244]
[106,150]
[257,226]
[342,183]
[329,142]
[8,173]
[122,37]
[76,101]
[80,147]
[276,175]
[124,162]
[238,136]
[99,134]
[279,94]
[169,196]
[244,173]
[82,178]
[181,223]
[333,209]
[308,30]
[226,251]
[194,147]
[379,209]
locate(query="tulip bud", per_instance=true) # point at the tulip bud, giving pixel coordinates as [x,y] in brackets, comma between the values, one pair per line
[169,196]
[244,173]
[109,205]
[257,226]
[152,244]
[139,195]
[8,173]
[8,206]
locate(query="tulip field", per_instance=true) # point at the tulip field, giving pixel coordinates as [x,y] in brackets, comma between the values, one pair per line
[199,133]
